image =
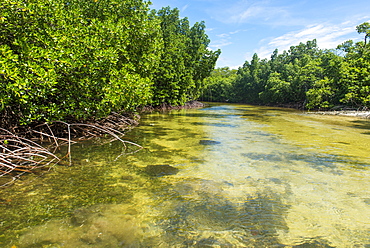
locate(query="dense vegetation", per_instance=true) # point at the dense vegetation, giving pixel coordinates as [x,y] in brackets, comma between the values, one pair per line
[79,59]
[304,76]
[83,59]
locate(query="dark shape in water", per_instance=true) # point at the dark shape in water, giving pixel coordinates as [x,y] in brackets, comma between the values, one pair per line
[80,216]
[206,242]
[209,142]
[159,170]
[314,244]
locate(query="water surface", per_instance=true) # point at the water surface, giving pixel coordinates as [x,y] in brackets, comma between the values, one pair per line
[221,176]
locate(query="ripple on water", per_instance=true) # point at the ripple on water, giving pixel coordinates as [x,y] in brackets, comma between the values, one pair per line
[269,183]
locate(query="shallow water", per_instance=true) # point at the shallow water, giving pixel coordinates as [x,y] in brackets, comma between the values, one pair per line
[222,176]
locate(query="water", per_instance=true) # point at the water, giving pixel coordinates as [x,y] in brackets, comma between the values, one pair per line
[221,176]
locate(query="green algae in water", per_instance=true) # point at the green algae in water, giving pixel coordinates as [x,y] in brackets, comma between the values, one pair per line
[263,185]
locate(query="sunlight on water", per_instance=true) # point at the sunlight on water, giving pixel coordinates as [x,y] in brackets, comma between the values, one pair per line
[221,176]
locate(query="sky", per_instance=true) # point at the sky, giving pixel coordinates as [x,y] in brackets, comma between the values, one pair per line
[241,28]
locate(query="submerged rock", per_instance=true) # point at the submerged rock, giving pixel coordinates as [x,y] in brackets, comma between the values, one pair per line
[159,170]
[209,142]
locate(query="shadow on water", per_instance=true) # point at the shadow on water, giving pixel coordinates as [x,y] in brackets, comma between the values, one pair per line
[201,115]
[91,207]
[192,213]
[314,160]
[362,124]
[200,216]
[211,184]
[216,124]
[211,113]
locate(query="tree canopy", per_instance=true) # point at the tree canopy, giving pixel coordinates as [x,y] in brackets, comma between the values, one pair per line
[304,76]
[82,59]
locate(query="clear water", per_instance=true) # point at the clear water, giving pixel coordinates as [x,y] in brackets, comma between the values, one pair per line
[247,177]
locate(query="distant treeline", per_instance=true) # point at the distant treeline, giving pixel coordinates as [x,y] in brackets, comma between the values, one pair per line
[303,76]
[81,59]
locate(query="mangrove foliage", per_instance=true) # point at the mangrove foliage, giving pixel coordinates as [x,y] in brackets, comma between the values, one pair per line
[82,59]
[304,76]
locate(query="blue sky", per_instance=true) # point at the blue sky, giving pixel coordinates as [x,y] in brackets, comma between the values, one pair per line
[241,28]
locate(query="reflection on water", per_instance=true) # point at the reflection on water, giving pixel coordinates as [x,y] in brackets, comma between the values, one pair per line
[222,176]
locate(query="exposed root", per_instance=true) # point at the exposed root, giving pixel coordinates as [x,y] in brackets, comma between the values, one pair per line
[19,155]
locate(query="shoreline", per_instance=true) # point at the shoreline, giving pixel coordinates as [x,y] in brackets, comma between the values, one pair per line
[349,113]
[168,107]
[35,145]
[363,114]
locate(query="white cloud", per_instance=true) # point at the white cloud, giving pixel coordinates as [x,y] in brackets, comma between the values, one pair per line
[184,8]
[218,44]
[225,40]
[225,62]
[327,35]
[249,12]
[224,35]
[243,11]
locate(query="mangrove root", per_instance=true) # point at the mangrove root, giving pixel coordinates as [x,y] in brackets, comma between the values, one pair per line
[36,148]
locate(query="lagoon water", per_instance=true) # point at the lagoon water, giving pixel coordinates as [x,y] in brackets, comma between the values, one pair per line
[221,176]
